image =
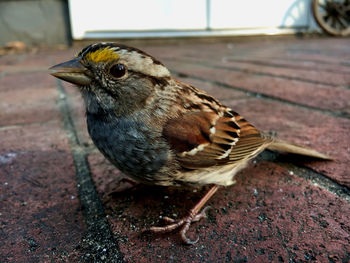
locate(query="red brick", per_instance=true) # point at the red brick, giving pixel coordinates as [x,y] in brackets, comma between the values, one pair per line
[214,90]
[310,55]
[269,214]
[40,216]
[314,95]
[297,64]
[319,131]
[326,77]
[40,61]
[28,98]
[38,80]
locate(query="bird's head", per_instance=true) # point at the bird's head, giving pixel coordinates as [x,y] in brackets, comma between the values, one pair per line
[113,73]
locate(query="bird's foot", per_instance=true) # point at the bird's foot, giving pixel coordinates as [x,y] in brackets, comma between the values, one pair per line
[184,223]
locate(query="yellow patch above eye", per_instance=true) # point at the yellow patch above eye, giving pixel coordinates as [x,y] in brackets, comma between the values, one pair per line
[102,55]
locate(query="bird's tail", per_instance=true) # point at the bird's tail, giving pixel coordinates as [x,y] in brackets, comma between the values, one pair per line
[283,146]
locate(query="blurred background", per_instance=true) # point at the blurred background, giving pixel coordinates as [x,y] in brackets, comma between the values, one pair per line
[59,22]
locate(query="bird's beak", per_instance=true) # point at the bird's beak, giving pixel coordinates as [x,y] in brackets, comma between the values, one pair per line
[72,71]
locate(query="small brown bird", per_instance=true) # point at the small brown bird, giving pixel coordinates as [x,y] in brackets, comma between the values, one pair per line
[160,131]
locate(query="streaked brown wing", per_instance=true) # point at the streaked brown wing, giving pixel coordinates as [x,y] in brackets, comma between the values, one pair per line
[250,143]
[203,139]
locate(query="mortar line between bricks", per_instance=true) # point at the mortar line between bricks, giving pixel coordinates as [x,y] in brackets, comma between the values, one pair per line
[257,73]
[346,64]
[264,96]
[276,65]
[19,125]
[100,243]
[316,178]
[319,179]
[24,71]
[262,61]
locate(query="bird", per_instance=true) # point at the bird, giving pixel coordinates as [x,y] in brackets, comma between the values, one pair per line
[158,130]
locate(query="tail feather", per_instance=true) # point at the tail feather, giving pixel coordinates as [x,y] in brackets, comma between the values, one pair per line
[283,146]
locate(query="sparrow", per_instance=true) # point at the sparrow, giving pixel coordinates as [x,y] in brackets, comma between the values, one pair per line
[160,131]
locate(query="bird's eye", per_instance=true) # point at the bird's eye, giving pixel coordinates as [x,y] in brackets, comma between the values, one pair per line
[117,70]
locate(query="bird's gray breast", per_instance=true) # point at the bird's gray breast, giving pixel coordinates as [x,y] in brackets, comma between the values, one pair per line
[136,149]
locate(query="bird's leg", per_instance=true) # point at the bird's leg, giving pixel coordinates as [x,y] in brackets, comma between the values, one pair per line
[185,222]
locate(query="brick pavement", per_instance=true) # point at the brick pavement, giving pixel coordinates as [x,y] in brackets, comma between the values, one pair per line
[58,194]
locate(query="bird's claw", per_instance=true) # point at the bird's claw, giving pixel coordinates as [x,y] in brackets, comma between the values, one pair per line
[184,222]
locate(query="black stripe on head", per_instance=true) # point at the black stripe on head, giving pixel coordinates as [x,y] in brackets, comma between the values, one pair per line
[97,46]
[93,47]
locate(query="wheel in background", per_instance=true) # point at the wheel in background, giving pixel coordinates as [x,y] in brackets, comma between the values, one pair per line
[333,16]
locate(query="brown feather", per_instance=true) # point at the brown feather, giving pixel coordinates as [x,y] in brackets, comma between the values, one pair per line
[203,139]
[283,146]
[188,131]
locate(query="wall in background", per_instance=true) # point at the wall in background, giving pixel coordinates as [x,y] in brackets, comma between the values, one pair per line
[50,22]
[34,22]
[164,18]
